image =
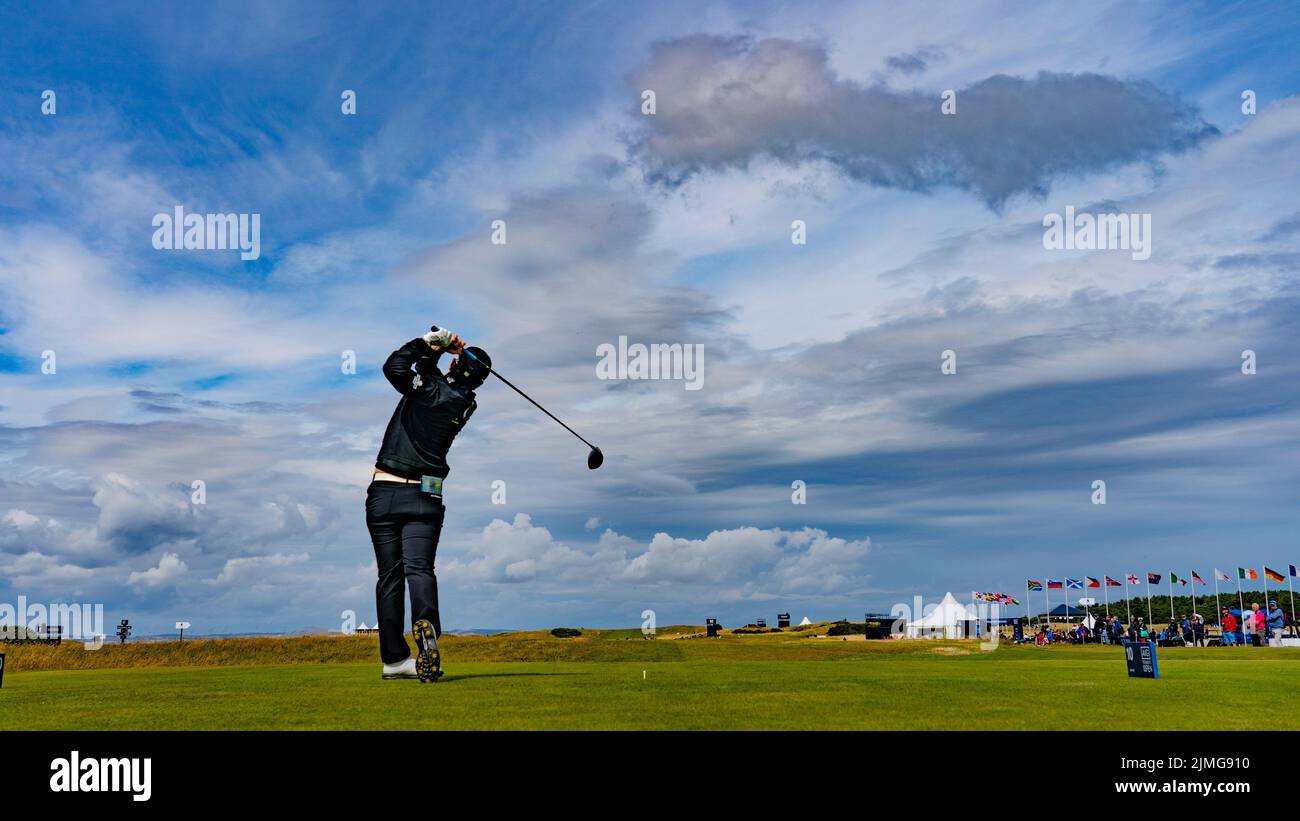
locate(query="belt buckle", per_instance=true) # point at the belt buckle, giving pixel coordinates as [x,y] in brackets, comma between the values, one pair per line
[431,485]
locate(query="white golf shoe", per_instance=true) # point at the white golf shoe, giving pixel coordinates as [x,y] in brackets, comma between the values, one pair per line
[403,669]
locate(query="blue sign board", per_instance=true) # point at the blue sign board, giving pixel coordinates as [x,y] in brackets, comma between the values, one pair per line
[1141,658]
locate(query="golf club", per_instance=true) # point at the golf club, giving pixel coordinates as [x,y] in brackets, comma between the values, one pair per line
[594,459]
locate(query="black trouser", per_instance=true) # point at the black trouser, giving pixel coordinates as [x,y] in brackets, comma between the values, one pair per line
[404,525]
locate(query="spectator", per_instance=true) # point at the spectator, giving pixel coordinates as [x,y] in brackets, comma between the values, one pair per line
[1198,630]
[1257,628]
[1229,625]
[1276,620]
[1248,626]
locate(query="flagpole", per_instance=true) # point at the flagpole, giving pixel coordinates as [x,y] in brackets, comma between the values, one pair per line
[976,609]
[1218,608]
[1047,603]
[1292,589]
[1128,611]
[1241,603]
[1150,618]
[1263,571]
[1105,583]
[1170,596]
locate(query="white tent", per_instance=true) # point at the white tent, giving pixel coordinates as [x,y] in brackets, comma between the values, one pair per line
[805,621]
[948,620]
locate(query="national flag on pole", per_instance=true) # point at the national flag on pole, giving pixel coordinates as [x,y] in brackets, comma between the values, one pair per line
[1273,574]
[1030,584]
[1054,584]
[1092,582]
[1112,583]
[1153,578]
[1173,577]
[1293,573]
[1221,576]
[1196,577]
[1133,579]
[1073,584]
[1246,573]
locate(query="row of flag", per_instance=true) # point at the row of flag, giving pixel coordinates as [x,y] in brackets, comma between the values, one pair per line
[1000,598]
[1243,574]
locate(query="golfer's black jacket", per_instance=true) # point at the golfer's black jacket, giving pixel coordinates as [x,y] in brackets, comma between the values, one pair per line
[428,417]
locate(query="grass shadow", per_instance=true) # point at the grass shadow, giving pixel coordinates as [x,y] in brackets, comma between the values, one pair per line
[465,676]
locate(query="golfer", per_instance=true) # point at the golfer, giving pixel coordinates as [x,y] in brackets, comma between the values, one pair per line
[404,510]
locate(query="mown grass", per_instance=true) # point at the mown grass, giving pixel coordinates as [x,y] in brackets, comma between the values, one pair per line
[912,691]
[593,645]
[616,681]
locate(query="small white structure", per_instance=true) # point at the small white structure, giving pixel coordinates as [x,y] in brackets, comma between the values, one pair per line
[950,620]
[804,622]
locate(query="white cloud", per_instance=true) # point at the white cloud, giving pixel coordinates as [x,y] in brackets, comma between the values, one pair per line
[20,519]
[37,571]
[258,568]
[773,561]
[170,570]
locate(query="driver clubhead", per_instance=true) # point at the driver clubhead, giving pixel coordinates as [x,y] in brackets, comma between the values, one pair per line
[595,459]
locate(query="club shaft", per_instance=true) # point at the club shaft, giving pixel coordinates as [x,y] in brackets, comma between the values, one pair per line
[540,408]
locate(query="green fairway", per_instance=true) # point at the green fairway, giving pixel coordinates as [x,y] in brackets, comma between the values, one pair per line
[690,684]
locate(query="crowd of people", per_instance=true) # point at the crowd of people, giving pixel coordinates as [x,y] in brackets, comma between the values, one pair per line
[1254,626]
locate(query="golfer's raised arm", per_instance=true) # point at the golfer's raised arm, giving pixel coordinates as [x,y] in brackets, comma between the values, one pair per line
[399,367]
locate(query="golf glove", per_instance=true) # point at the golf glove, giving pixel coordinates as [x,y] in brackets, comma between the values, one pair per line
[443,339]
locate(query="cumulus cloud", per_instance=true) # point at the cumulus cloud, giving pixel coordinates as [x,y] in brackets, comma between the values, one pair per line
[767,562]
[36,571]
[724,101]
[24,533]
[137,518]
[258,567]
[170,569]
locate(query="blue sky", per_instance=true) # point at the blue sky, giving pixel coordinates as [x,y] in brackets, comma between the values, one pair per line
[822,360]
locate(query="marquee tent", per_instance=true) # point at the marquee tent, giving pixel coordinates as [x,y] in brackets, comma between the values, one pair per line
[1062,611]
[950,619]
